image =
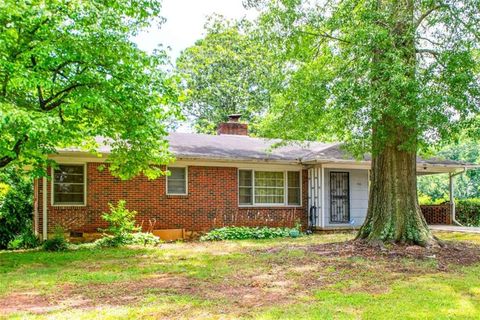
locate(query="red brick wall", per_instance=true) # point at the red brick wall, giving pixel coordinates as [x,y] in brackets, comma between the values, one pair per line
[234,128]
[437,214]
[211,202]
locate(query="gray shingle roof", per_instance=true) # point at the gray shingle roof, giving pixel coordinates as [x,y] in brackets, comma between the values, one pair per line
[245,148]
[231,147]
[235,147]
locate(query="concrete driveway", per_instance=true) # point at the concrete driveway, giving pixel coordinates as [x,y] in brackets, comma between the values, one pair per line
[451,228]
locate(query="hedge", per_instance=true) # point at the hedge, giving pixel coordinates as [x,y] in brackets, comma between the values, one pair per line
[468,211]
[240,233]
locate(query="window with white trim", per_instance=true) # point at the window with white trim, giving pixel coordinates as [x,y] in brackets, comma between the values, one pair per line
[269,187]
[69,185]
[293,185]
[177,181]
[245,186]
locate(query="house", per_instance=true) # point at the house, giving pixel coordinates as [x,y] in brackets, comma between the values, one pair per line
[219,180]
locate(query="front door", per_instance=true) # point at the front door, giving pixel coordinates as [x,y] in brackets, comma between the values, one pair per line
[339,197]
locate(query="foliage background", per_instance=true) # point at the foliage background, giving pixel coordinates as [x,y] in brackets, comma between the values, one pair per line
[16,204]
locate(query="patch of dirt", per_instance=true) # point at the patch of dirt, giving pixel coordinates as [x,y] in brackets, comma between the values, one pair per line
[26,301]
[451,253]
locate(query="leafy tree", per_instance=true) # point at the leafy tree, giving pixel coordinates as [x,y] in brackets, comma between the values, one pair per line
[69,72]
[388,77]
[15,204]
[224,73]
[467,185]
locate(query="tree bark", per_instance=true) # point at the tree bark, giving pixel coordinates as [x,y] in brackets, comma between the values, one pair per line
[394,214]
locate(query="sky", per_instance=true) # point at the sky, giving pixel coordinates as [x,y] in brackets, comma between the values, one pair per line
[185,22]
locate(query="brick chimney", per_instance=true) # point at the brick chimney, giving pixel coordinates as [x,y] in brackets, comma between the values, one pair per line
[233,126]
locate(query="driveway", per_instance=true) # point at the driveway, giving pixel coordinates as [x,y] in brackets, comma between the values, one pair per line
[451,228]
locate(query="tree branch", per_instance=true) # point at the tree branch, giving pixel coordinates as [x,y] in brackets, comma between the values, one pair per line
[324,35]
[429,51]
[427,13]
[60,96]
[429,40]
[16,150]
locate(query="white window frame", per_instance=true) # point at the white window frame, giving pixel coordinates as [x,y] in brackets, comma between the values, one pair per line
[52,186]
[186,182]
[285,186]
[299,187]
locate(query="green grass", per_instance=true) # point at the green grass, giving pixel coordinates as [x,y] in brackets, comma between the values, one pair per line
[262,279]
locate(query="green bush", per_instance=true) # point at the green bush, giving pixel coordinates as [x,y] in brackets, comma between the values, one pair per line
[121,229]
[137,238]
[145,238]
[57,242]
[240,233]
[26,240]
[121,221]
[468,212]
[16,204]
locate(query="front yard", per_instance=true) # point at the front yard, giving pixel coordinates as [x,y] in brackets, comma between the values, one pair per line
[307,278]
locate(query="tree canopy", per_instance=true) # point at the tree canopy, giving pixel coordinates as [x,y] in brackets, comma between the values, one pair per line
[224,73]
[387,77]
[69,72]
[336,88]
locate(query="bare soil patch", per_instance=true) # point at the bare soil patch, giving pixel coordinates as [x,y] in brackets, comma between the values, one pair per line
[446,256]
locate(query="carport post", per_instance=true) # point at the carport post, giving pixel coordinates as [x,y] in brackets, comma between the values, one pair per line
[452,197]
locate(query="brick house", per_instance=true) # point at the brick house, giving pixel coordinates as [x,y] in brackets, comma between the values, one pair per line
[217,180]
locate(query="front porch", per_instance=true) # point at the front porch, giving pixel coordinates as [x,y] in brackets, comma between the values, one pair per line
[338,196]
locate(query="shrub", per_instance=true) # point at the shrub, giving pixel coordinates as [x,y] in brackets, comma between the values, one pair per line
[121,229]
[137,238]
[240,233]
[468,211]
[26,240]
[57,242]
[145,238]
[16,199]
[121,221]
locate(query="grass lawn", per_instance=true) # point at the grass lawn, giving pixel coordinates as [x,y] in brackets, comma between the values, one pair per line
[303,278]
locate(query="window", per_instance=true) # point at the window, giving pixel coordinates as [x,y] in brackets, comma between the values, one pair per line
[269,187]
[245,187]
[293,187]
[177,181]
[69,185]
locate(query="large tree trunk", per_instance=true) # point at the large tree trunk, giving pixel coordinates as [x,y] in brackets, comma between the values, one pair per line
[393,211]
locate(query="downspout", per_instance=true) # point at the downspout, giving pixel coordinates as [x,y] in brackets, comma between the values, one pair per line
[452,197]
[44,208]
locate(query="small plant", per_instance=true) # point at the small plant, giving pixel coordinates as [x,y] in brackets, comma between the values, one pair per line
[137,238]
[145,239]
[57,242]
[26,240]
[121,229]
[240,233]
[121,221]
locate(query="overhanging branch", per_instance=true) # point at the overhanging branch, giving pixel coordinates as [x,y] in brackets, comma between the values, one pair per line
[15,150]
[429,51]
[427,13]
[324,35]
